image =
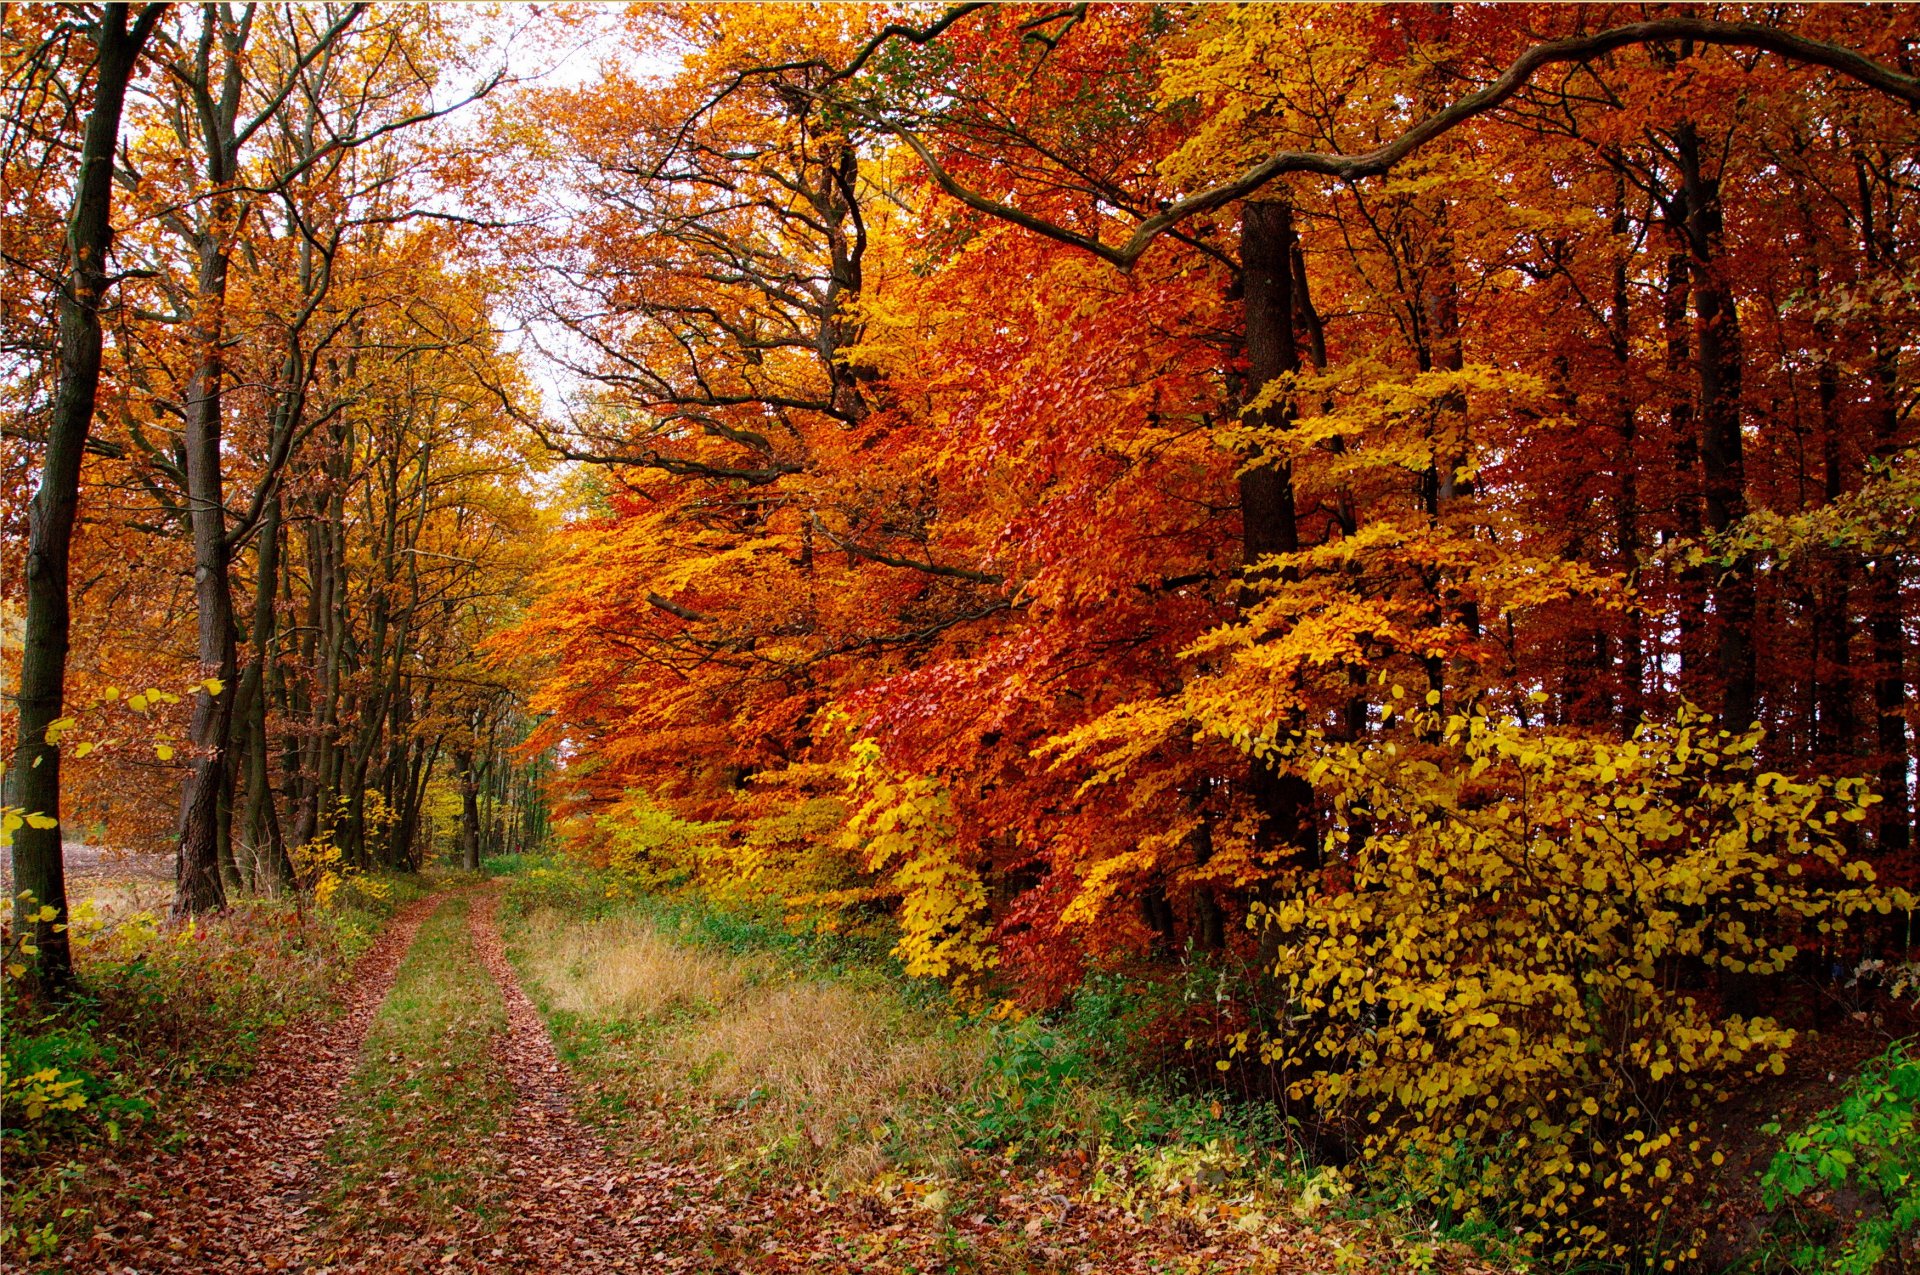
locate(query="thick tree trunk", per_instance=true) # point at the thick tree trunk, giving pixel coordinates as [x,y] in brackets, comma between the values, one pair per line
[33,779]
[1718,363]
[1268,522]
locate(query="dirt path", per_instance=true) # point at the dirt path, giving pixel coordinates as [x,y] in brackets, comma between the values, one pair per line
[245,1191]
[574,1207]
[236,1195]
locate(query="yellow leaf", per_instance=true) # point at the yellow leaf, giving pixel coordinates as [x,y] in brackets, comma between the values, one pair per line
[43,822]
[163,751]
[138,703]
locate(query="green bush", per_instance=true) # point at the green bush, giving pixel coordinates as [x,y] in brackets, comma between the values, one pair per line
[1868,1144]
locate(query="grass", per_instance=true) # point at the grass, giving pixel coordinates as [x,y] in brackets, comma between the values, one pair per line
[773,1050]
[756,1063]
[421,1110]
[785,1060]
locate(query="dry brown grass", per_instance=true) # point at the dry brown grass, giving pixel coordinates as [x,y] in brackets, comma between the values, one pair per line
[752,1063]
[622,968]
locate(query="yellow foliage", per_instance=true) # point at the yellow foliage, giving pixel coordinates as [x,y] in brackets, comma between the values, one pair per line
[38,1092]
[903,826]
[320,866]
[1508,978]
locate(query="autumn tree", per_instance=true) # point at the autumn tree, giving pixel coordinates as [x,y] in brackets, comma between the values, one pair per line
[97,57]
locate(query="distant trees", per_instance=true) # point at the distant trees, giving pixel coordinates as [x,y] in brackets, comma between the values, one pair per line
[301,420]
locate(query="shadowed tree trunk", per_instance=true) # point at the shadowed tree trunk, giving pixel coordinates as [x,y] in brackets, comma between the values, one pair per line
[469,810]
[33,779]
[1717,361]
[1268,523]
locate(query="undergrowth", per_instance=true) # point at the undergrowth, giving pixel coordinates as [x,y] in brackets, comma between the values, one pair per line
[1845,1188]
[160,1010]
[770,1051]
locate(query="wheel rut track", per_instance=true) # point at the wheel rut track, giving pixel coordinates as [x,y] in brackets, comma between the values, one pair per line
[237,1194]
[575,1207]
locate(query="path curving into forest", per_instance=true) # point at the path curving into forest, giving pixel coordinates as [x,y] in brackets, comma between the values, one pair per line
[237,1194]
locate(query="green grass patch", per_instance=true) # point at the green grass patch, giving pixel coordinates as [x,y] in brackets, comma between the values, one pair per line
[422,1109]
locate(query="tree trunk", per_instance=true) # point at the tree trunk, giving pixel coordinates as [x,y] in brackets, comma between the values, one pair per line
[1718,361]
[198,886]
[469,809]
[33,780]
[1283,801]
[1888,625]
[262,817]
[1626,501]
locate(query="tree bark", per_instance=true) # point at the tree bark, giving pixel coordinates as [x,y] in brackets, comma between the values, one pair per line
[33,780]
[1718,363]
[469,809]
[1283,801]
[198,887]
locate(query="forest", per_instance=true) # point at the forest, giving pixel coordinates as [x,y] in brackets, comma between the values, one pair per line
[962,637]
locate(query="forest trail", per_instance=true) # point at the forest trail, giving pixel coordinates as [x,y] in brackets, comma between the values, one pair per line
[574,1207]
[246,1190]
[236,1195]
[432,1127]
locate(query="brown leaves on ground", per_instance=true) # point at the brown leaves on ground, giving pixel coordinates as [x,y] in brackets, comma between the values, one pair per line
[240,1194]
[235,1195]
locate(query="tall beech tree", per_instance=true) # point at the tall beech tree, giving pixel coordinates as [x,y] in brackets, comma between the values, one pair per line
[116,36]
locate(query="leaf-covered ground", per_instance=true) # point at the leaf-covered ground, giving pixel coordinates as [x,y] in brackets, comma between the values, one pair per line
[431,1127]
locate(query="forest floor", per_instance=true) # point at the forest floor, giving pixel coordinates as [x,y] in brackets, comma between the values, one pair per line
[431,1125]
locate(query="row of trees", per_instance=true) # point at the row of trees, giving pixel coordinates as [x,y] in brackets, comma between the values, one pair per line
[928,388]
[276,501]
[1273,482]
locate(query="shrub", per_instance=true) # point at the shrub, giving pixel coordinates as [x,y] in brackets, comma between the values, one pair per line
[1869,1142]
[1504,987]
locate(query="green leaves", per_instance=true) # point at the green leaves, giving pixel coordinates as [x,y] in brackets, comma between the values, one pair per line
[1870,1141]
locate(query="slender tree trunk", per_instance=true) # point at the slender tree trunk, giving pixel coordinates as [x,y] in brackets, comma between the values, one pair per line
[1836,728]
[33,779]
[198,887]
[1691,590]
[469,809]
[1626,502]
[262,819]
[1888,628]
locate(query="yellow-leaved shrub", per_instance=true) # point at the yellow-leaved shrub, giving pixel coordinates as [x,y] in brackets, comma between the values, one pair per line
[1510,978]
[902,825]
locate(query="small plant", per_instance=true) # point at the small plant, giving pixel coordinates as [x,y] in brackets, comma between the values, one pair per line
[1026,1079]
[1869,1142]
